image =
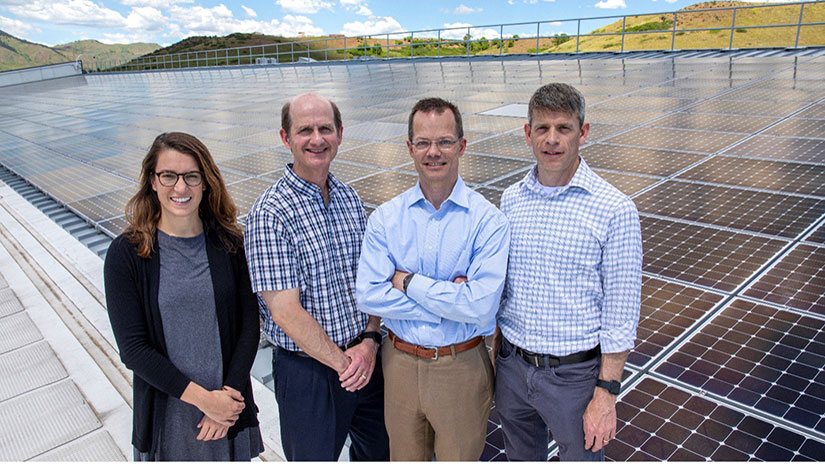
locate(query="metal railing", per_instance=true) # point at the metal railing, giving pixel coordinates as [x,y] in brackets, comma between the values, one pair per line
[795,25]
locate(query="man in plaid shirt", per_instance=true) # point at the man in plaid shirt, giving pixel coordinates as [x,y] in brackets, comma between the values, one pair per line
[571,302]
[303,238]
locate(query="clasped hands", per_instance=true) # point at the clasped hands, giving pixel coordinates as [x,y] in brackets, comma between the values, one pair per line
[220,411]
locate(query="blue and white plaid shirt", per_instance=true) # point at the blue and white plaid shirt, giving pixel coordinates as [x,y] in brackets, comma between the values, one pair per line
[293,240]
[575,271]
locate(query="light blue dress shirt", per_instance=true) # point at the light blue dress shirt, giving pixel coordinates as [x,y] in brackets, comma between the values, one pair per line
[467,236]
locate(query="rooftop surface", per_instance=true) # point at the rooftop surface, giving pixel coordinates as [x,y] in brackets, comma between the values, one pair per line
[723,154]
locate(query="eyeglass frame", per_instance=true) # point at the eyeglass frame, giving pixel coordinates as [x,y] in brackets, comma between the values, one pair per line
[442,144]
[178,176]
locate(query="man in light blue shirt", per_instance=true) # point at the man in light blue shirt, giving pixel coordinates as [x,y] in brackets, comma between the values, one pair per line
[571,305]
[432,266]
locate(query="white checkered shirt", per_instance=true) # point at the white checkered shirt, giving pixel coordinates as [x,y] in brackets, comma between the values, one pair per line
[293,240]
[575,271]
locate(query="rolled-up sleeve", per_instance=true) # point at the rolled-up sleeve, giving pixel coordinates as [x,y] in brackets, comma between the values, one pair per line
[621,280]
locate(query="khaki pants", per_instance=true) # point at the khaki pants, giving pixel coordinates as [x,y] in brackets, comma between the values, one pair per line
[437,406]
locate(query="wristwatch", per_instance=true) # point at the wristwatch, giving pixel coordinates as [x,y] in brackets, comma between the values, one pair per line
[406,282]
[374,335]
[613,387]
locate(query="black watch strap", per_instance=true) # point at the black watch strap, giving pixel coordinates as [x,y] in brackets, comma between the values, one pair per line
[374,335]
[406,282]
[613,387]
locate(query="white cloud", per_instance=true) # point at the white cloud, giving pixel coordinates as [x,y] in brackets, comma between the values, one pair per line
[373,25]
[123,38]
[15,27]
[77,12]
[146,18]
[304,6]
[360,7]
[250,13]
[611,4]
[160,4]
[465,10]
[218,20]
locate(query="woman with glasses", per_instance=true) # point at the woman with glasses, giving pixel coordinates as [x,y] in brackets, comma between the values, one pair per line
[183,312]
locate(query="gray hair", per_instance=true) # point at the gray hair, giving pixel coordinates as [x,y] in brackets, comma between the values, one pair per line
[558,97]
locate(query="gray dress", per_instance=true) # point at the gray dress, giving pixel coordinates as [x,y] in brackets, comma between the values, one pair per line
[190,328]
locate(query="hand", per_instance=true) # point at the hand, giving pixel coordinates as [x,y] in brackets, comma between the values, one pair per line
[599,420]
[460,280]
[359,371]
[223,406]
[210,430]
[397,280]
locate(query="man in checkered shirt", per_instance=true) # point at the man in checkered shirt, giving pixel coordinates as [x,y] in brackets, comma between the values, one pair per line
[571,302]
[303,238]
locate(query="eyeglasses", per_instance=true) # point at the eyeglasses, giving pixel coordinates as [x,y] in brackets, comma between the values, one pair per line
[442,145]
[170,178]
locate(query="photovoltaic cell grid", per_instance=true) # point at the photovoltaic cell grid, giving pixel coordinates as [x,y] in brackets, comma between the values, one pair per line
[723,157]
[759,356]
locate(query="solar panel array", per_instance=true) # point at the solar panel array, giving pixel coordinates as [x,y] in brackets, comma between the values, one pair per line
[724,156]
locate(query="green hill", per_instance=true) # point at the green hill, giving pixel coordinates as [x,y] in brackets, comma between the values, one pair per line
[18,53]
[92,49]
[654,32]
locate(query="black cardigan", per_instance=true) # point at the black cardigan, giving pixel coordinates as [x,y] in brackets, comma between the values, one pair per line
[131,284]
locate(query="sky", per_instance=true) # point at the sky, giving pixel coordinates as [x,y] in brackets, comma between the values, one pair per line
[53,22]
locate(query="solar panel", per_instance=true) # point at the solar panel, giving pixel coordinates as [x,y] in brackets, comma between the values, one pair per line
[817,236]
[379,154]
[803,179]
[714,122]
[797,281]
[383,186]
[668,310]
[733,242]
[259,162]
[781,148]
[677,139]
[513,146]
[814,112]
[751,210]
[665,423]
[638,160]
[713,258]
[747,108]
[758,356]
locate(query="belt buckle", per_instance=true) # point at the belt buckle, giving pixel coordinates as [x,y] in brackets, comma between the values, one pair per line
[435,358]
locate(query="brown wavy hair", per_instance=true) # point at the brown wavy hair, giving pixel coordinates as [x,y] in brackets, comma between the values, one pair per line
[216,209]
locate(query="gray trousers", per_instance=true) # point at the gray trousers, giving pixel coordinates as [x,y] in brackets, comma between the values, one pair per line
[532,401]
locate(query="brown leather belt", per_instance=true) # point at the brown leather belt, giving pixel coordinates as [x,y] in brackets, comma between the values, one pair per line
[432,353]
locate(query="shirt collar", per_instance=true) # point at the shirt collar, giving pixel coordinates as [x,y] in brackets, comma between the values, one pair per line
[584,178]
[307,188]
[459,196]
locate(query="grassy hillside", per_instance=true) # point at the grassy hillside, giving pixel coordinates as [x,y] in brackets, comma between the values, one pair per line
[101,51]
[654,32]
[18,53]
[643,32]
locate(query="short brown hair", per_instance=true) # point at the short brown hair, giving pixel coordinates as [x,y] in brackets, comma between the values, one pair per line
[558,97]
[438,105]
